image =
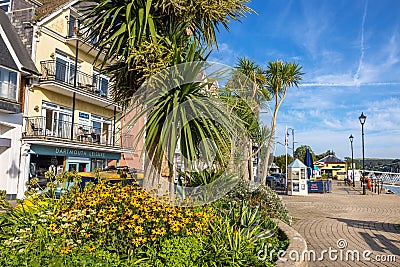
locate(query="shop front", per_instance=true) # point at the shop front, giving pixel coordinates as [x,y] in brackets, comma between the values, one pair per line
[59,159]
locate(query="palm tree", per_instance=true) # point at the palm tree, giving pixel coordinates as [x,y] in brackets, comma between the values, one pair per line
[141,36]
[182,114]
[253,73]
[280,77]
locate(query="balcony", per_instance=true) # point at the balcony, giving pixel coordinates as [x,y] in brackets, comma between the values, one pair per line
[40,127]
[57,74]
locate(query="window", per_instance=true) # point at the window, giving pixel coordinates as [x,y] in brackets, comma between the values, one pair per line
[8,84]
[65,68]
[103,127]
[100,81]
[12,84]
[71,26]
[5,5]
[58,120]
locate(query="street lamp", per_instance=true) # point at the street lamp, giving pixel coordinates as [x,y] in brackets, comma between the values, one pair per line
[352,156]
[362,121]
[292,138]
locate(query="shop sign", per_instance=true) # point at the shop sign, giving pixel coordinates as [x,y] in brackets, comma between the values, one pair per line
[83,115]
[72,152]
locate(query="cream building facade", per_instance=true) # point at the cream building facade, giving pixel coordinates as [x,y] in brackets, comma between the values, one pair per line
[70,121]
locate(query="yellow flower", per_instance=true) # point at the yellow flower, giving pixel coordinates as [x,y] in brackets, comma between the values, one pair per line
[139,240]
[65,250]
[138,229]
[113,209]
[52,227]
[91,248]
[175,228]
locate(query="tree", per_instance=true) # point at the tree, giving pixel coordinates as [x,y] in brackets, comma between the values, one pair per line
[280,161]
[280,77]
[141,37]
[253,73]
[138,39]
[323,155]
[301,152]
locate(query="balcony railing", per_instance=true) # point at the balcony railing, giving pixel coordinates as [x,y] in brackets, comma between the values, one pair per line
[53,70]
[46,127]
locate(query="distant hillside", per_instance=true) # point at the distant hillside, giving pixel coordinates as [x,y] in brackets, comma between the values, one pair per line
[385,165]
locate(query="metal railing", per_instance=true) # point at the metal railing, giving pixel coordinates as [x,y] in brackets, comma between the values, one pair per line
[385,177]
[46,127]
[53,70]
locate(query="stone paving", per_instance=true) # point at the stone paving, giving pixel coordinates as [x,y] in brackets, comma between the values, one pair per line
[347,221]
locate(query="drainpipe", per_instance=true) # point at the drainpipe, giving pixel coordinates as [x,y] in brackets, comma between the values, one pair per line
[115,118]
[76,30]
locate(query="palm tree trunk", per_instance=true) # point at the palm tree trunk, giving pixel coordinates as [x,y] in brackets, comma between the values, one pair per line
[278,102]
[250,161]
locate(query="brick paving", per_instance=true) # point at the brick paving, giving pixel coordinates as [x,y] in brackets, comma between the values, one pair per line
[360,222]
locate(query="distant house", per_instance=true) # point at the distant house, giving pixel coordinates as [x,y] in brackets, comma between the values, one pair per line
[273,168]
[332,167]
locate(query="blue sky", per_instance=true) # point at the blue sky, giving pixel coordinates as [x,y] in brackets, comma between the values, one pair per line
[350,54]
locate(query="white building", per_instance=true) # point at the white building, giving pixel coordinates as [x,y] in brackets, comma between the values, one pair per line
[16,71]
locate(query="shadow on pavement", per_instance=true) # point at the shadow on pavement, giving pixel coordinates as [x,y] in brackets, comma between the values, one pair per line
[376,242]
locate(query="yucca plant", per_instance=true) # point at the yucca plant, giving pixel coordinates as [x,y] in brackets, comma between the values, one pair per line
[4,204]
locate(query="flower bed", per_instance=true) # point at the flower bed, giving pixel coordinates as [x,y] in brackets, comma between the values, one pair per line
[115,225]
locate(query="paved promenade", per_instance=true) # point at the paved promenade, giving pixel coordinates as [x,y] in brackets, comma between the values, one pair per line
[345,221]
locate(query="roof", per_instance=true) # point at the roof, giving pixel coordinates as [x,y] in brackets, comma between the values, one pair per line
[331,159]
[12,47]
[49,6]
[273,166]
[6,58]
[297,164]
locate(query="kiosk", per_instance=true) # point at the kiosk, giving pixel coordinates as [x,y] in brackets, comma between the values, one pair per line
[297,178]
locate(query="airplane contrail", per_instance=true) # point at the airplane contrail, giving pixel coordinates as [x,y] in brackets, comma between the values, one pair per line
[362,50]
[349,84]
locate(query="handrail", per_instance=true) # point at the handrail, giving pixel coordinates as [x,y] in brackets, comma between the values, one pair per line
[40,126]
[53,70]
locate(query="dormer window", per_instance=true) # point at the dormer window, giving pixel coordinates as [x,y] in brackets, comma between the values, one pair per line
[72,26]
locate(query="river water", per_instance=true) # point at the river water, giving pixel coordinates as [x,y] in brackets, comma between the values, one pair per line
[395,189]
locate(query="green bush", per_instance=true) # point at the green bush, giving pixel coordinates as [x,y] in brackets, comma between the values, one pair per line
[256,195]
[179,251]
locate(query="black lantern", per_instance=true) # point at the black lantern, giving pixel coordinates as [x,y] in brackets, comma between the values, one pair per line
[362,119]
[352,157]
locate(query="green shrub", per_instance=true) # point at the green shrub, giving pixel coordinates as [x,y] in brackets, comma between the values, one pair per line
[4,204]
[255,195]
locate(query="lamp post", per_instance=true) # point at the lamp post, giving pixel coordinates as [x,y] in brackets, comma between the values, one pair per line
[362,119]
[352,157]
[292,138]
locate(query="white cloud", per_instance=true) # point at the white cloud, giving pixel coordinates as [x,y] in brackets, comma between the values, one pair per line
[225,54]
